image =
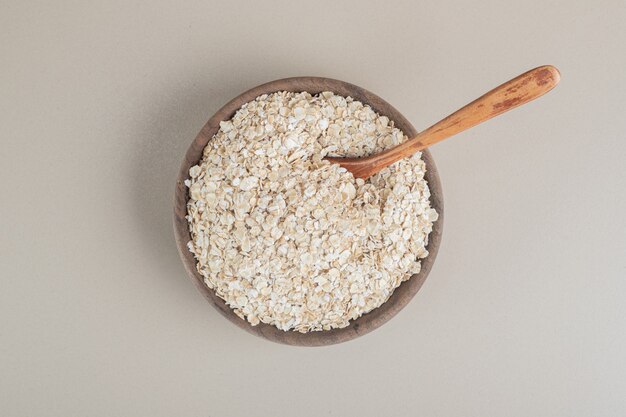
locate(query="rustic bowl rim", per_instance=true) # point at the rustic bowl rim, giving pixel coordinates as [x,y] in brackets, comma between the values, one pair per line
[364,324]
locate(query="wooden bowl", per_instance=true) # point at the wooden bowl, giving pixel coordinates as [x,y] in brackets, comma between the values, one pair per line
[364,324]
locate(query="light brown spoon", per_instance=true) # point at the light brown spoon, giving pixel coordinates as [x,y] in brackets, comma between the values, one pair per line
[520,90]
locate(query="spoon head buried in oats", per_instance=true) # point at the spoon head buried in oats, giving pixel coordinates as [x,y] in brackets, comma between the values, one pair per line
[520,90]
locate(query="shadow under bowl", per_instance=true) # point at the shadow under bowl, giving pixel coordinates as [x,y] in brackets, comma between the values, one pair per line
[367,322]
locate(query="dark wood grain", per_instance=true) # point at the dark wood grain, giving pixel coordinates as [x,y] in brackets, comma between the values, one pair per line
[513,93]
[364,324]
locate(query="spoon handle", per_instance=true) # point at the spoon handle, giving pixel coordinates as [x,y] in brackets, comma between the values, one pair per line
[520,90]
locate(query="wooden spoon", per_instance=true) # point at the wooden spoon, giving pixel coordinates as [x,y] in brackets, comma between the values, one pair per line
[520,90]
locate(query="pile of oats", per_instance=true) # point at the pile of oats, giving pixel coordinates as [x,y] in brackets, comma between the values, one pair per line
[288,239]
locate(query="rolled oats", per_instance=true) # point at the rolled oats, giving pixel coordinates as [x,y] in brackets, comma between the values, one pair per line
[288,239]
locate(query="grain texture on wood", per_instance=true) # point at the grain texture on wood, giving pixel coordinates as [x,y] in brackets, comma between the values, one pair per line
[364,324]
[513,93]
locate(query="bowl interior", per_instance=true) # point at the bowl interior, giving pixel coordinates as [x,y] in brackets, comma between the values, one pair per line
[364,324]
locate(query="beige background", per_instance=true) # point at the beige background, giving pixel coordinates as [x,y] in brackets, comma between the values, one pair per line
[522,315]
